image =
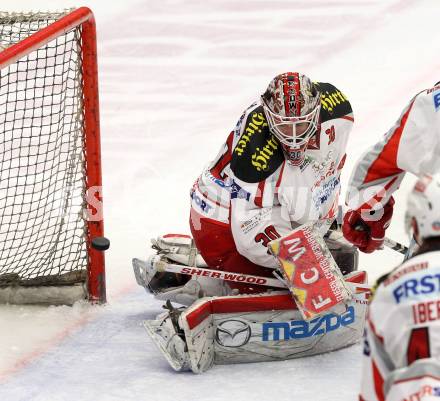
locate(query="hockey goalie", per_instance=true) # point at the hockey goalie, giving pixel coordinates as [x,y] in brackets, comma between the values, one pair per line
[262,278]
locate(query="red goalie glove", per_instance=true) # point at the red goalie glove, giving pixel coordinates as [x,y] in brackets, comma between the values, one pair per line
[367,234]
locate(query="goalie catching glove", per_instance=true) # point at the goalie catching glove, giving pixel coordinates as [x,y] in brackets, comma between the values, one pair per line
[175,287]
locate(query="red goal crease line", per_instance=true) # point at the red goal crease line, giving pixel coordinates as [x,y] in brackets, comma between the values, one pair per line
[43,349]
[55,340]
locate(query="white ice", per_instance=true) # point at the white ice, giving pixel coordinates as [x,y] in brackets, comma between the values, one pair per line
[174,77]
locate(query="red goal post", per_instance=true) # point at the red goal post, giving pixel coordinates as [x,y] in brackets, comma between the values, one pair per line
[49,116]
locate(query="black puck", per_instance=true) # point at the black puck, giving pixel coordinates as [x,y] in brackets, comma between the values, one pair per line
[100,243]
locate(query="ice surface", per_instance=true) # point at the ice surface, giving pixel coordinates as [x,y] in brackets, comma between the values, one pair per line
[174,77]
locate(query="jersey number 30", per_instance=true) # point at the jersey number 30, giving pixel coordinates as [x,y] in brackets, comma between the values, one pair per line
[270,233]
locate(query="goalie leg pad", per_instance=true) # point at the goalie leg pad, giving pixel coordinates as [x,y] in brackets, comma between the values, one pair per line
[163,333]
[263,327]
[258,329]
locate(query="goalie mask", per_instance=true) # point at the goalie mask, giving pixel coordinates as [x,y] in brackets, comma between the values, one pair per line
[291,104]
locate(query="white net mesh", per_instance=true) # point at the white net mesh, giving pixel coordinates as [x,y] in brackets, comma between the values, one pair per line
[42,158]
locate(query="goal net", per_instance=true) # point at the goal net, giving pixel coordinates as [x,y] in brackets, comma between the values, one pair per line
[50,175]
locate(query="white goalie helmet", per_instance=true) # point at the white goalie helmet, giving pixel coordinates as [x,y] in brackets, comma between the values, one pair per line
[423,207]
[291,104]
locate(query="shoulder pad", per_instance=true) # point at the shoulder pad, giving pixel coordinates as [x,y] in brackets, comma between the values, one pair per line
[257,153]
[378,282]
[334,104]
[382,278]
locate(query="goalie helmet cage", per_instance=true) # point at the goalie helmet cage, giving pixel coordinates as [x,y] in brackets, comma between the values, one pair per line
[50,163]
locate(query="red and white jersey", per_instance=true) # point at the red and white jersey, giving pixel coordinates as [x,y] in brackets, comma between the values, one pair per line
[403,326]
[420,381]
[251,188]
[411,145]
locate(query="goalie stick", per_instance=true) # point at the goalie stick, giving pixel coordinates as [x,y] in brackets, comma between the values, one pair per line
[396,246]
[163,266]
[389,243]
